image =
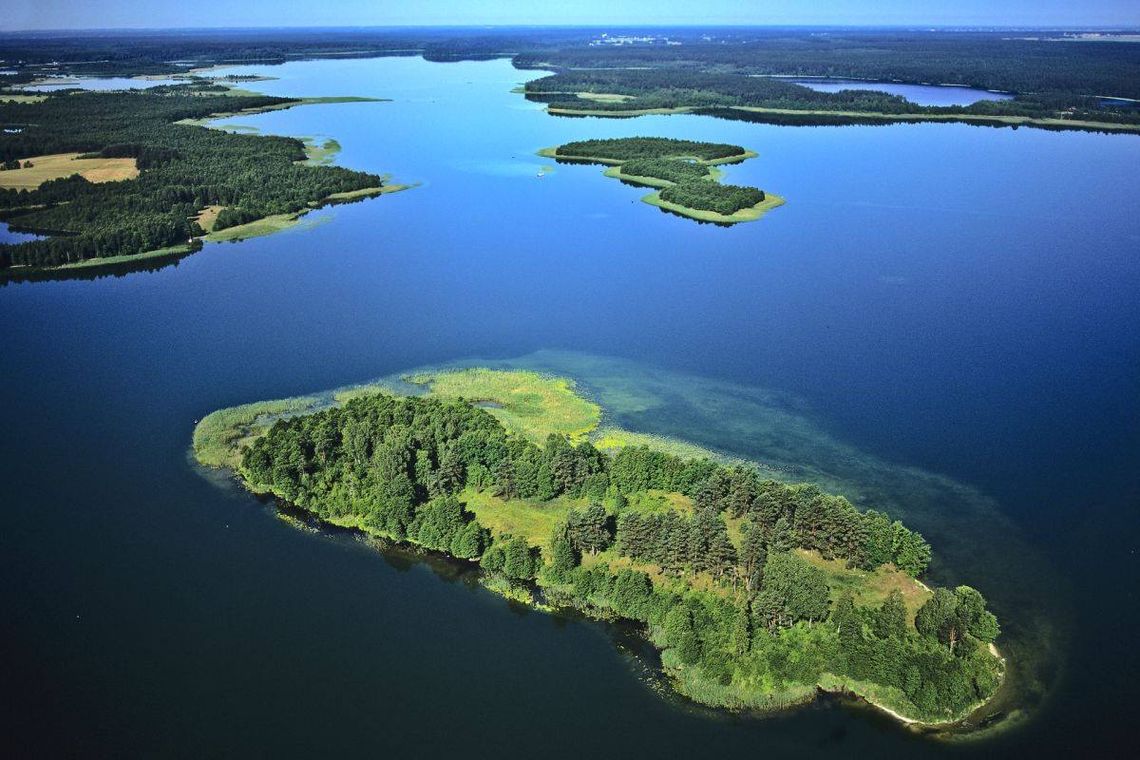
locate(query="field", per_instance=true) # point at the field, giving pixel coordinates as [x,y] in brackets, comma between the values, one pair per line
[526,403]
[870,588]
[64,165]
[219,437]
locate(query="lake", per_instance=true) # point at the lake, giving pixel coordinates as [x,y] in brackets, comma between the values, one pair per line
[99,83]
[942,321]
[920,94]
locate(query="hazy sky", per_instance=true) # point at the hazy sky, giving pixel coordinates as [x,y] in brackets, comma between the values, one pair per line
[105,14]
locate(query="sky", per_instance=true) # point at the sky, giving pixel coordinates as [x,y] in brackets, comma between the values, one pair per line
[152,14]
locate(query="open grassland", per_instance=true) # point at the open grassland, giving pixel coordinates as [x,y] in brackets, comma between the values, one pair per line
[12,97]
[869,587]
[527,403]
[220,436]
[59,165]
[534,521]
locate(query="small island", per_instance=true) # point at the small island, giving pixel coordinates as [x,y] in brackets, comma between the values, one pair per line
[684,171]
[758,594]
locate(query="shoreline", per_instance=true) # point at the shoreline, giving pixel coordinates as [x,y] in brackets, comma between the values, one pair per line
[217,450]
[826,118]
[537,598]
[749,214]
[316,155]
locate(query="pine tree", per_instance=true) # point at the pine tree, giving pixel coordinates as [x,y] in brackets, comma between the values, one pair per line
[889,620]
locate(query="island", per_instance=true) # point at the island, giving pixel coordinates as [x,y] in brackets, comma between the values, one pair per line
[129,177]
[685,171]
[758,594]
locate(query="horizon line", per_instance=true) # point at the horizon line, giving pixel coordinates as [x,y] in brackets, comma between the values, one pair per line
[618,25]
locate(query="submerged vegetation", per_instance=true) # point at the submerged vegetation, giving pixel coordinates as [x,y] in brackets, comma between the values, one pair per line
[684,170]
[756,592]
[183,170]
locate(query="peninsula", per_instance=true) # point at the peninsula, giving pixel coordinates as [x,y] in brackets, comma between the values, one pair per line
[124,177]
[759,594]
[684,171]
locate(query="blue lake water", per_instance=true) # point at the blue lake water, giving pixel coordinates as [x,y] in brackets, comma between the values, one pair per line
[8,235]
[942,320]
[921,94]
[99,83]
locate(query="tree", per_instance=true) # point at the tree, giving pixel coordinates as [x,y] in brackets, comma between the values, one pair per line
[519,562]
[889,619]
[782,538]
[470,541]
[590,530]
[911,552]
[563,556]
[681,634]
[754,553]
[793,590]
[742,631]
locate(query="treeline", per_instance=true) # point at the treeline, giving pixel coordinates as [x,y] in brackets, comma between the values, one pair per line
[1024,63]
[396,464]
[184,168]
[987,60]
[627,148]
[673,88]
[690,87]
[668,169]
[713,196]
[380,457]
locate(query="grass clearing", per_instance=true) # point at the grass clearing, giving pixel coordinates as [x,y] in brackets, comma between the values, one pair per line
[870,588]
[256,228]
[207,216]
[220,436]
[534,521]
[11,97]
[59,165]
[527,403]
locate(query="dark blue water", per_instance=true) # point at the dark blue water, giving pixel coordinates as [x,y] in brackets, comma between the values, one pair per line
[933,299]
[920,94]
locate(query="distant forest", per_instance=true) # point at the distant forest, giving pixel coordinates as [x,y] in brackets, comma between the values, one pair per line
[184,168]
[1037,66]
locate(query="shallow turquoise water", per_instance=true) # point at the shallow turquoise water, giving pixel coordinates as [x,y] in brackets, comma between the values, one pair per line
[942,320]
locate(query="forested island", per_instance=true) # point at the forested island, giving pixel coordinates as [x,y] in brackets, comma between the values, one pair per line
[174,182]
[684,171]
[758,593]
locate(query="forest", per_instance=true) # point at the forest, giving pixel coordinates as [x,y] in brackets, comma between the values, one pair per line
[1033,63]
[668,169]
[184,168]
[726,588]
[711,91]
[627,148]
[712,196]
